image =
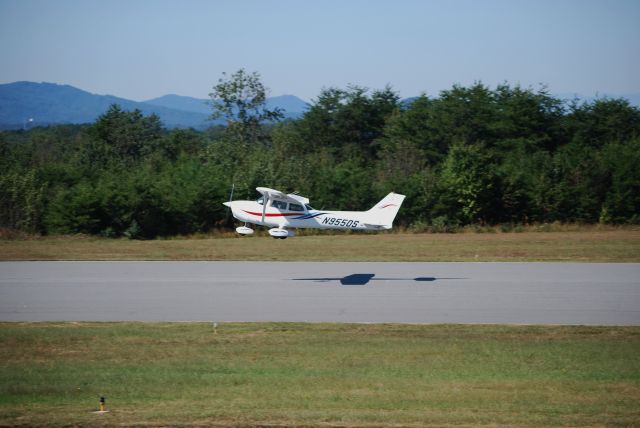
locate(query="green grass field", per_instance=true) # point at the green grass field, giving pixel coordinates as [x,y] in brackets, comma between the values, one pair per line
[184,374]
[585,244]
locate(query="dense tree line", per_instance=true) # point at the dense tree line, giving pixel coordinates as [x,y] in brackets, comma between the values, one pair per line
[472,155]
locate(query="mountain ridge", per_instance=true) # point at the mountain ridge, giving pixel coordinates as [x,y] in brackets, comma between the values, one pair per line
[292,105]
[44,103]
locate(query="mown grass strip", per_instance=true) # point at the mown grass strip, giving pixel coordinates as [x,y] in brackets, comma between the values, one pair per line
[178,374]
[589,245]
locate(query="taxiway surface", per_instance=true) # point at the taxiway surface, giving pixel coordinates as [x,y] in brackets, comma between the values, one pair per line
[514,293]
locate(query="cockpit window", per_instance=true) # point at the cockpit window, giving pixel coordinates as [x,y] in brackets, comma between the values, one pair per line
[308,207]
[295,207]
[261,200]
[279,205]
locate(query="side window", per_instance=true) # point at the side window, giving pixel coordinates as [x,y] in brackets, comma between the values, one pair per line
[295,207]
[279,205]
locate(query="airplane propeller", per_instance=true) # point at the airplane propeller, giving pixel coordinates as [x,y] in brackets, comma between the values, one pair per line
[233,186]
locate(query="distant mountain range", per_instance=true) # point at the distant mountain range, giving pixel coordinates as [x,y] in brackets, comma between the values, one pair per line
[50,103]
[293,106]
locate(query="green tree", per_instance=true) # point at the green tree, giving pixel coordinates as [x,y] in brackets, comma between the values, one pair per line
[603,121]
[409,138]
[579,183]
[352,117]
[176,143]
[470,189]
[75,210]
[466,115]
[21,201]
[622,200]
[527,186]
[527,116]
[126,135]
[240,99]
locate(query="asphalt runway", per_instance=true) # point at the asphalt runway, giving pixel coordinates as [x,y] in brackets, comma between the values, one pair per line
[512,293]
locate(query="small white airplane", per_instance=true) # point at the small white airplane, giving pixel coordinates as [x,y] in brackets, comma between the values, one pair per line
[280,211]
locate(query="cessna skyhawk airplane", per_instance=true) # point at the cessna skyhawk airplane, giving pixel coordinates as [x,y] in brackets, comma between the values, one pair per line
[281,211]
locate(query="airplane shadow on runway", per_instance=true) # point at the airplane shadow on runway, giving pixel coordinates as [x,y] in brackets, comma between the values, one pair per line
[365,278]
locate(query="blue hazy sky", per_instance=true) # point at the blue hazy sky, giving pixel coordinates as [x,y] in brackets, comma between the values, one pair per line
[142,49]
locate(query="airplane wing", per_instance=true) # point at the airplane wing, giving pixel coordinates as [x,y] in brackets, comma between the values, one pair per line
[276,194]
[270,194]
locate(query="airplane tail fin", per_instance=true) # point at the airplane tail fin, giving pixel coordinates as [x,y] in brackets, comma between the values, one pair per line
[383,213]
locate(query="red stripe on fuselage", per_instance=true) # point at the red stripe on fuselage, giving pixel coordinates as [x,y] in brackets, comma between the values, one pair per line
[273,215]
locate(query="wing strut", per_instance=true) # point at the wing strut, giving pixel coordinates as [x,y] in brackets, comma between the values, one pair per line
[264,205]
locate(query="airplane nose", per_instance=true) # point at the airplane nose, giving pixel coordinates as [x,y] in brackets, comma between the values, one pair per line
[228,204]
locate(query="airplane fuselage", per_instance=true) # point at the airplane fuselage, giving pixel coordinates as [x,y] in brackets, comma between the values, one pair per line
[282,212]
[251,212]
